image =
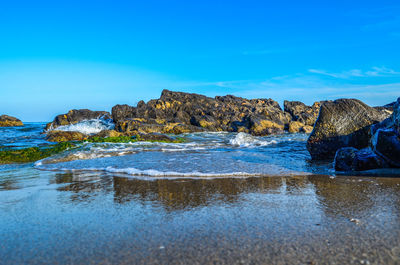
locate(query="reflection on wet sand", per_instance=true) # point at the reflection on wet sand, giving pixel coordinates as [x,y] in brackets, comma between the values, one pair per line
[260,220]
[345,196]
[189,193]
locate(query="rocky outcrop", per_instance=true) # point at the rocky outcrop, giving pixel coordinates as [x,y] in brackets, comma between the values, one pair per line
[342,123]
[178,112]
[74,116]
[384,150]
[9,121]
[302,113]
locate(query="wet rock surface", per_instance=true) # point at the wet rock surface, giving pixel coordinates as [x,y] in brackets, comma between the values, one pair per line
[384,150]
[9,121]
[352,159]
[342,123]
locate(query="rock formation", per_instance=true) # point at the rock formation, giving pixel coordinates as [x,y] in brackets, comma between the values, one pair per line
[342,123]
[9,121]
[178,112]
[383,150]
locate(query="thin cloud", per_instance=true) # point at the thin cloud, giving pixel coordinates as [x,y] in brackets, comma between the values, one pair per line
[374,72]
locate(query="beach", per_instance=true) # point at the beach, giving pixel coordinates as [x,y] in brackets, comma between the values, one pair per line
[218,198]
[81,218]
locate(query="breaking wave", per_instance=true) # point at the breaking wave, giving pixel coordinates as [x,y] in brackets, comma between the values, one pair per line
[247,140]
[89,126]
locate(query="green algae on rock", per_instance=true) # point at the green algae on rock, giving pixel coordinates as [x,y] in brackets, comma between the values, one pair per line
[160,138]
[32,154]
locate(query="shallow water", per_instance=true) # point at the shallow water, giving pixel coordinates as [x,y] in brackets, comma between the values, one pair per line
[179,203]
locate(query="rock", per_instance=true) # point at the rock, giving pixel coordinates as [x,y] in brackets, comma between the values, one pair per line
[301,112]
[75,116]
[108,133]
[123,112]
[307,129]
[295,126]
[65,136]
[155,137]
[260,127]
[193,112]
[9,121]
[342,123]
[344,159]
[352,159]
[392,122]
[386,143]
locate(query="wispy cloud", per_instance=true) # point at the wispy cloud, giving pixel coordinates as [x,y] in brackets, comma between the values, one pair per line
[309,88]
[354,73]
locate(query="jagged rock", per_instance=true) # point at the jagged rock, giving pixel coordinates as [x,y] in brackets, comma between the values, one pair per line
[386,143]
[9,121]
[197,113]
[342,123]
[301,112]
[65,136]
[75,116]
[352,159]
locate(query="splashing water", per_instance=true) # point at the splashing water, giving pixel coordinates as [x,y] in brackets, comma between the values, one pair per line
[247,140]
[89,126]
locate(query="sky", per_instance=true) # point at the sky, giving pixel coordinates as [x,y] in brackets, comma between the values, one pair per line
[62,55]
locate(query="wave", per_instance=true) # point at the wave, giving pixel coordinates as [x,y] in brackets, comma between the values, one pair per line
[152,174]
[89,126]
[247,140]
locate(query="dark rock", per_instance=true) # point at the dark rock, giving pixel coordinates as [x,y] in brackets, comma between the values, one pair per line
[344,159]
[301,112]
[9,121]
[386,143]
[352,159]
[342,123]
[74,116]
[122,112]
[65,136]
[192,112]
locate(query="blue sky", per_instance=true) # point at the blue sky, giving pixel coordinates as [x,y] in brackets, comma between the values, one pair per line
[59,55]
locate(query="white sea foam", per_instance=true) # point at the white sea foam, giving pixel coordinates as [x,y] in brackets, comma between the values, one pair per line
[247,140]
[88,126]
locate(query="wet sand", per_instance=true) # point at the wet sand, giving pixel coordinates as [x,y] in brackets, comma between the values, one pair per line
[53,218]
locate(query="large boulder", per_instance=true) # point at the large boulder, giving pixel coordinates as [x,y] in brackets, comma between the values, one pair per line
[342,123]
[302,113]
[75,116]
[9,121]
[186,112]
